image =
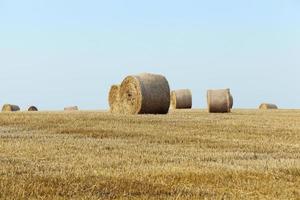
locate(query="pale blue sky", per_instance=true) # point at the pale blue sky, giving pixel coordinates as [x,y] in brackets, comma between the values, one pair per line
[57,53]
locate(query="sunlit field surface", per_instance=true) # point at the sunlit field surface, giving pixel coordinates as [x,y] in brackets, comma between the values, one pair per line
[247,154]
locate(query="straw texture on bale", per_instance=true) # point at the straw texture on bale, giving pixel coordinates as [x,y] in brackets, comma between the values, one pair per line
[265,106]
[73,108]
[181,99]
[32,108]
[114,98]
[218,101]
[10,108]
[145,94]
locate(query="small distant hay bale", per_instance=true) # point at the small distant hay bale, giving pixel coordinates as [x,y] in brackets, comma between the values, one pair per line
[32,108]
[144,94]
[267,106]
[219,101]
[114,98]
[72,108]
[181,99]
[10,108]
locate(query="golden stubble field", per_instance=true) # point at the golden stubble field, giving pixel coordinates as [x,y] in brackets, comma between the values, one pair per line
[247,154]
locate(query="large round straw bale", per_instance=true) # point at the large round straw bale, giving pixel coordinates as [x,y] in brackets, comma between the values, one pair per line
[266,106]
[145,94]
[231,101]
[32,108]
[72,108]
[218,101]
[181,99]
[10,108]
[114,98]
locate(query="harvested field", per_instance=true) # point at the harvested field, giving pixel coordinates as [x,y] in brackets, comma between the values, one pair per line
[187,154]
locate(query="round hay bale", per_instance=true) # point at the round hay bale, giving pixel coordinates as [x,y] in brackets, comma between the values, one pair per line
[32,108]
[231,101]
[145,94]
[266,106]
[218,101]
[181,99]
[72,108]
[114,98]
[10,108]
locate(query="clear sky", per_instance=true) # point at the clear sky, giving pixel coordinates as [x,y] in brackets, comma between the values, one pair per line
[56,53]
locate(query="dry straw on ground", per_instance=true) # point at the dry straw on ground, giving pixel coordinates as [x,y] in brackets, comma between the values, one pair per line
[186,155]
[219,101]
[114,98]
[73,108]
[10,108]
[181,99]
[266,106]
[145,94]
[32,108]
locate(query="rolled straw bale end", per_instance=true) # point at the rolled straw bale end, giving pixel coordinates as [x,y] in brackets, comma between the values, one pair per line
[114,98]
[173,100]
